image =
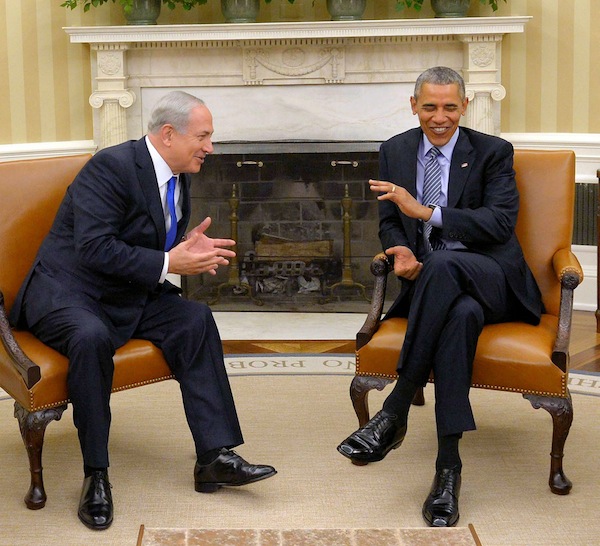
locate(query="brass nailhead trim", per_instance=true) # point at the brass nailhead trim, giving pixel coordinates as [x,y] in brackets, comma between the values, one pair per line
[483,386]
[32,406]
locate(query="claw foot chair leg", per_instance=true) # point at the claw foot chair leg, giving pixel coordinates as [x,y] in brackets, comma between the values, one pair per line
[33,426]
[561,410]
[359,394]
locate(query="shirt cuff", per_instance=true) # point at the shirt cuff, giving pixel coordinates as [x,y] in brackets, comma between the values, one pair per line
[436,218]
[165,269]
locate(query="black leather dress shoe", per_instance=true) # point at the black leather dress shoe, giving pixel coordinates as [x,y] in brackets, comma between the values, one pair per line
[441,507]
[96,505]
[375,440]
[228,469]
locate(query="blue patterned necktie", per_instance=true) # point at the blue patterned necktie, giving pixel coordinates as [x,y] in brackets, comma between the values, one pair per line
[173,215]
[432,188]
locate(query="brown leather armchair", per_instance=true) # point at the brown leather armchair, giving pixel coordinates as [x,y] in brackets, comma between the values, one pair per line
[31,372]
[513,357]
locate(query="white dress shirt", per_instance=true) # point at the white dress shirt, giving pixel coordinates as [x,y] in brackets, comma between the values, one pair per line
[163,175]
[444,159]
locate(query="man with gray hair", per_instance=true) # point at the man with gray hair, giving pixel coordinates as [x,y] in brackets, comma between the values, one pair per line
[99,279]
[448,206]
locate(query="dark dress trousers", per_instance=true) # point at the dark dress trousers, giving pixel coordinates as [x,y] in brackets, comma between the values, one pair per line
[458,291]
[94,285]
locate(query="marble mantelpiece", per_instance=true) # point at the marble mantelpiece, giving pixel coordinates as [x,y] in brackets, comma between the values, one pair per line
[319,80]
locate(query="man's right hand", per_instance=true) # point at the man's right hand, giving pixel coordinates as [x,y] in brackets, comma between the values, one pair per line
[199,253]
[405,262]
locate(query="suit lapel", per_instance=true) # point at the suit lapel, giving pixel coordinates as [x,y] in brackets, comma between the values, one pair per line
[149,184]
[460,167]
[185,181]
[408,161]
[408,168]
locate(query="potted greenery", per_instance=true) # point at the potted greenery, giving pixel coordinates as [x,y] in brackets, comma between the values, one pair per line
[242,11]
[137,12]
[146,12]
[445,8]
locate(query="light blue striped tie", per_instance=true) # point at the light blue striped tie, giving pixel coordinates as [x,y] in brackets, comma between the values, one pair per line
[432,187]
[171,204]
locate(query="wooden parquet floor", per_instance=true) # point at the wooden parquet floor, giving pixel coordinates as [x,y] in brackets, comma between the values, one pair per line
[585,344]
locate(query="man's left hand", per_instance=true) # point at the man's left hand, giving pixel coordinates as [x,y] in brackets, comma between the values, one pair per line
[404,200]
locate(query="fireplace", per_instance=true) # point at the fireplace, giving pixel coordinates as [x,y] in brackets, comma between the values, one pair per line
[311,101]
[304,220]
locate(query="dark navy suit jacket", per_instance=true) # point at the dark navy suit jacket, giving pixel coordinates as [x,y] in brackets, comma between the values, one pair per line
[105,250]
[483,203]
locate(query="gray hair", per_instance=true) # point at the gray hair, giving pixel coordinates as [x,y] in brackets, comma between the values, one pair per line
[440,75]
[174,109]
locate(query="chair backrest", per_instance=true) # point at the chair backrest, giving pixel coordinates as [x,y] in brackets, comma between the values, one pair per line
[546,182]
[30,194]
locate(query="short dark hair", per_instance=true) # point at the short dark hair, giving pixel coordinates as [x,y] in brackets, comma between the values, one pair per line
[440,75]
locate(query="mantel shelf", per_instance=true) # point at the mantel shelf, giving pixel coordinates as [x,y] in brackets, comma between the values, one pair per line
[468,26]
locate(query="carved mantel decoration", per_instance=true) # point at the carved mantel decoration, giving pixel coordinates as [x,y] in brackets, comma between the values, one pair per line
[132,62]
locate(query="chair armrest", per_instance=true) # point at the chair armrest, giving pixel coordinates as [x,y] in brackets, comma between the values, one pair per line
[569,273]
[380,267]
[29,370]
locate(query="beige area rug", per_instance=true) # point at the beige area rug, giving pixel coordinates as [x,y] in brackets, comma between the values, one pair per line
[458,536]
[295,422]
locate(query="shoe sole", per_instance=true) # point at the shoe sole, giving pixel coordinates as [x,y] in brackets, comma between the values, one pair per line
[451,523]
[211,487]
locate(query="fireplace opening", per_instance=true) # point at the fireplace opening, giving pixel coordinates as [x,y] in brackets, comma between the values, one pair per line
[304,221]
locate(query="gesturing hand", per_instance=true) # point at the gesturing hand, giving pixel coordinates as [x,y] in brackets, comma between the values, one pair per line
[199,253]
[406,264]
[403,199]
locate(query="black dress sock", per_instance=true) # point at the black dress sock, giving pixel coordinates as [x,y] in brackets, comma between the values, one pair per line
[89,470]
[208,457]
[448,456]
[399,400]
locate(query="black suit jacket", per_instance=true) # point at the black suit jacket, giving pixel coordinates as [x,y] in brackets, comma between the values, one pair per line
[483,203]
[104,251]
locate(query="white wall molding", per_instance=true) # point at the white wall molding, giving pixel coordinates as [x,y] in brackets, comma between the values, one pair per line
[585,145]
[35,150]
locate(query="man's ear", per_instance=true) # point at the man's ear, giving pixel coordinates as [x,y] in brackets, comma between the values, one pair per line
[166,134]
[413,105]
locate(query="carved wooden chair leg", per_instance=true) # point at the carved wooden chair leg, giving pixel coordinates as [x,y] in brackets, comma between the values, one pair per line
[33,426]
[561,410]
[359,394]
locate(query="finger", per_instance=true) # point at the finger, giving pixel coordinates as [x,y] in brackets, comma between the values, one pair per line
[223,242]
[202,227]
[193,236]
[223,252]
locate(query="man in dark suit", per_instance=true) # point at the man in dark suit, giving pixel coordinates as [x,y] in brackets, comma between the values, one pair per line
[448,206]
[99,279]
